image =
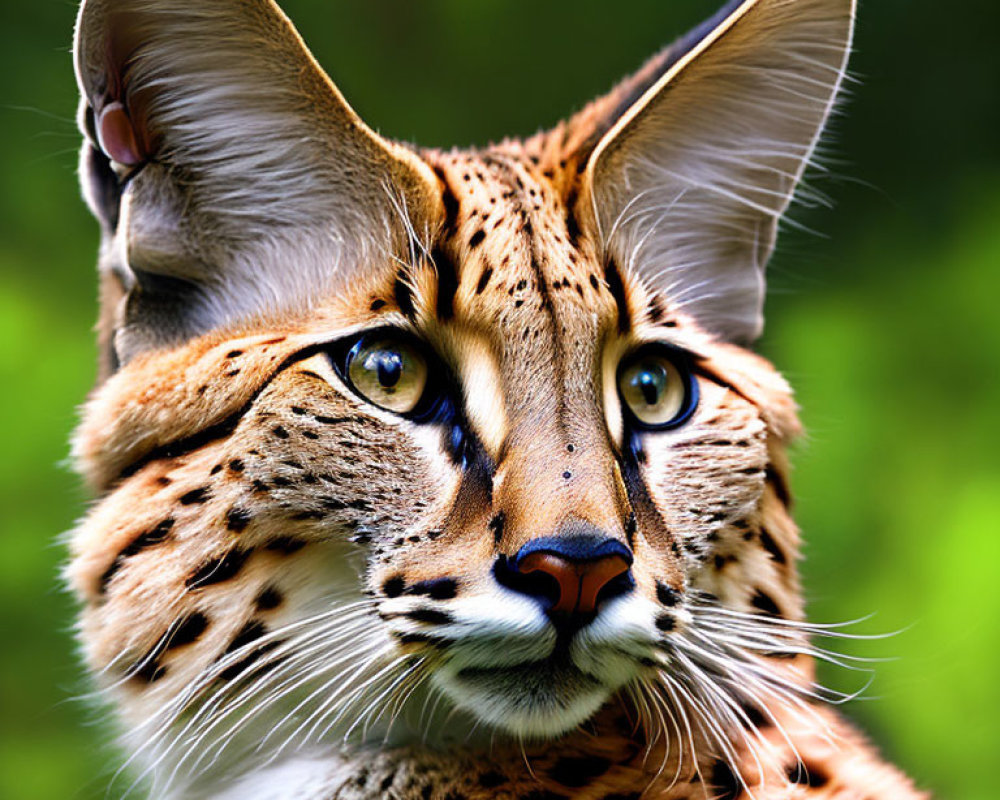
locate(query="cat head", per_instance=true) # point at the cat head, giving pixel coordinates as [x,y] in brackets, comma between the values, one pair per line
[375,413]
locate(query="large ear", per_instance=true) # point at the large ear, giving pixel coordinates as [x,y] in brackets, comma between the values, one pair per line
[698,156]
[230,175]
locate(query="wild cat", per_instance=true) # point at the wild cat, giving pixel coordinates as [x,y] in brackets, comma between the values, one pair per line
[427,474]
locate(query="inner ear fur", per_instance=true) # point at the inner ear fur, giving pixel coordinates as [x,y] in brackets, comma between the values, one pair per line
[245,183]
[691,163]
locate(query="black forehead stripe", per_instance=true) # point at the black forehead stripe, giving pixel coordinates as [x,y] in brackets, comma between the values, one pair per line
[447,275]
[402,293]
[613,279]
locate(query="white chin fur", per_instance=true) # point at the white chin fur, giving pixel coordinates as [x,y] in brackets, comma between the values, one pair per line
[528,702]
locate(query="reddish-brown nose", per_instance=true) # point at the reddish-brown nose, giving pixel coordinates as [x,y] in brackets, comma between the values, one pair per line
[579,582]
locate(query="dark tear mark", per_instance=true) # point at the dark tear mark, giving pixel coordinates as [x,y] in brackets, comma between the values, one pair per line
[613,278]
[403,295]
[447,283]
[150,538]
[496,525]
[219,569]
[771,546]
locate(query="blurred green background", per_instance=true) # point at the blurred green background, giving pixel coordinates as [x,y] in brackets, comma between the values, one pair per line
[886,323]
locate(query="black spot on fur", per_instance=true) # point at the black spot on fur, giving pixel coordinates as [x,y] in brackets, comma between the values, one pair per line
[219,569]
[285,545]
[578,772]
[807,775]
[237,519]
[150,538]
[491,779]
[234,353]
[269,599]
[666,623]
[236,465]
[771,546]
[188,630]
[440,589]
[764,602]
[476,239]
[667,595]
[280,432]
[543,794]
[377,304]
[248,634]
[484,279]
[195,496]
[150,671]
[430,616]
[394,586]
[780,486]
[724,782]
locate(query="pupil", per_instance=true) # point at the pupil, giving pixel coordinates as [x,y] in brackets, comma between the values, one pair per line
[389,368]
[651,383]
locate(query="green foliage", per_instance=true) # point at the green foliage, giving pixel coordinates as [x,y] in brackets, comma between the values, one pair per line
[887,329]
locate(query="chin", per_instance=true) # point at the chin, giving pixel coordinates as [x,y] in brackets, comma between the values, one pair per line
[535,700]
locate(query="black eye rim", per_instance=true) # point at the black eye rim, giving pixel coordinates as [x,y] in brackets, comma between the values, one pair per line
[684,362]
[433,405]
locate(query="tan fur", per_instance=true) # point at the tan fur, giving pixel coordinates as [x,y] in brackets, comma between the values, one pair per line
[242,489]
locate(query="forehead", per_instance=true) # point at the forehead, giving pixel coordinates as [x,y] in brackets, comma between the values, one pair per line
[510,261]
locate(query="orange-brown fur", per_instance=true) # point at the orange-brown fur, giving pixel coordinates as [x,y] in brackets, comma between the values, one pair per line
[234,474]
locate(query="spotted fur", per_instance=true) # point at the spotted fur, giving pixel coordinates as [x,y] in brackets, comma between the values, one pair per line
[288,591]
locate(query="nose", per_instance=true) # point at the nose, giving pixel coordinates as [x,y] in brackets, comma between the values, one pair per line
[569,575]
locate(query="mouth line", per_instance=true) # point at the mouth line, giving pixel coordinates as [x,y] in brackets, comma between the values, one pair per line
[558,663]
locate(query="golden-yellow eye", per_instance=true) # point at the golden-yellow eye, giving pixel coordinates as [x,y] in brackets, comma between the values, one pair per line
[389,373]
[657,390]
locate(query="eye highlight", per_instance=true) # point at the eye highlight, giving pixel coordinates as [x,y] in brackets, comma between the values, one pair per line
[387,372]
[657,388]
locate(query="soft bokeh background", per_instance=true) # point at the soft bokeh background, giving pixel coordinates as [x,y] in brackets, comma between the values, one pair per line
[886,323]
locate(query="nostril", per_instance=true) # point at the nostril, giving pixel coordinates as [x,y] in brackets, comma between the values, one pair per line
[539,585]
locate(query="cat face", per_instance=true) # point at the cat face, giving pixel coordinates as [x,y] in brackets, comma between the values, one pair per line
[383,423]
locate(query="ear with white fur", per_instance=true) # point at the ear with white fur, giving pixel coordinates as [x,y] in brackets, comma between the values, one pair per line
[689,178]
[230,175]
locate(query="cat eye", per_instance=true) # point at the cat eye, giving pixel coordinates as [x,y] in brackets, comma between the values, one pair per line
[657,388]
[388,372]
